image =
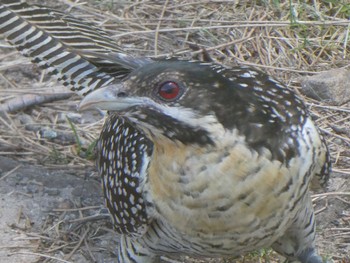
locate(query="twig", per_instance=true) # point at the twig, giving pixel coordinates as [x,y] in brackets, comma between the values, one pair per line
[40,255]
[10,172]
[231,43]
[89,250]
[330,194]
[90,218]
[78,245]
[158,27]
[259,24]
[75,209]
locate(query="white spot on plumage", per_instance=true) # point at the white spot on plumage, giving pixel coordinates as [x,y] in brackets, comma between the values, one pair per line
[134,210]
[246,75]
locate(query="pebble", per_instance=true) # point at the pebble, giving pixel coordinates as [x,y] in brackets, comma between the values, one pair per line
[330,86]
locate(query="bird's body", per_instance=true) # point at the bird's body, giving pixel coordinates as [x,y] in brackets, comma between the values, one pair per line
[224,200]
[195,158]
[212,181]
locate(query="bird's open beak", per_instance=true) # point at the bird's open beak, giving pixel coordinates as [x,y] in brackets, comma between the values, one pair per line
[109,98]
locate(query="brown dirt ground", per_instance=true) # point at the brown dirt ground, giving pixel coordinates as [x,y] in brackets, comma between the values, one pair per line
[51,208]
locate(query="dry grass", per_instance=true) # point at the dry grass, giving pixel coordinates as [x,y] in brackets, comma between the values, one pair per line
[288,41]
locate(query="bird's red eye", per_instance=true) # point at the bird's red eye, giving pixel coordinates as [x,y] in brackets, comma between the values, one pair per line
[169,90]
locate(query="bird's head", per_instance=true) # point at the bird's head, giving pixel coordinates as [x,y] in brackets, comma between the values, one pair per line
[194,102]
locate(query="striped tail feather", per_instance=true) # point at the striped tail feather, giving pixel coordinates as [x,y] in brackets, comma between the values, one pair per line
[81,55]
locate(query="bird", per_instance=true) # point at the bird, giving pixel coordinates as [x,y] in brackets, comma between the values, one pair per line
[196,158]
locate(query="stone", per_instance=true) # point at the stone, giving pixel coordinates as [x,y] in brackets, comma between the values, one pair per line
[331,86]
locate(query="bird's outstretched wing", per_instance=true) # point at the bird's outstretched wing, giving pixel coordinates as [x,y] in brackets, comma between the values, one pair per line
[81,55]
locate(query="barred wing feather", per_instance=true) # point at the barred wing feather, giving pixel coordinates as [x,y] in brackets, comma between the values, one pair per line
[81,55]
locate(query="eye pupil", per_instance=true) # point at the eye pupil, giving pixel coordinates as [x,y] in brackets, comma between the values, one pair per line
[169,90]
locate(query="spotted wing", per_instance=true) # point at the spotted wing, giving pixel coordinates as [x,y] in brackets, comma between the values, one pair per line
[123,162]
[291,112]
